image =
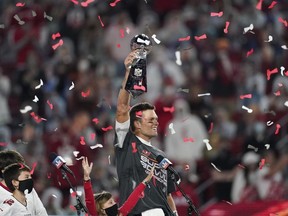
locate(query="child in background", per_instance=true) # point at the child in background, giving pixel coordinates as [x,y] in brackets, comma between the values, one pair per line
[103,204]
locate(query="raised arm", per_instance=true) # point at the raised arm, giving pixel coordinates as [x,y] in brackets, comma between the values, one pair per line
[89,198]
[123,103]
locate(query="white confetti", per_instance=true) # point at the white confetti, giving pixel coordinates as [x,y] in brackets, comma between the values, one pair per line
[282,70]
[96,146]
[215,167]
[269,123]
[39,86]
[252,147]
[208,146]
[205,94]
[127,30]
[71,87]
[155,39]
[147,42]
[2,26]
[53,195]
[48,17]
[249,28]
[34,13]
[82,157]
[171,128]
[178,58]
[26,109]
[286,103]
[248,109]
[267,146]
[75,153]
[109,159]
[270,38]
[35,99]
[284,47]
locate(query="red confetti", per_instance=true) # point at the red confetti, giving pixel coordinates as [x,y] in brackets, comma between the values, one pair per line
[36,118]
[82,140]
[226,27]
[60,43]
[95,120]
[136,87]
[56,35]
[283,21]
[19,4]
[134,150]
[85,94]
[241,166]
[102,24]
[249,52]
[275,70]
[211,127]
[74,1]
[204,36]
[49,175]
[190,139]
[92,136]
[246,96]
[259,5]
[118,45]
[73,194]
[113,4]
[184,39]
[220,14]
[286,73]
[272,5]
[122,33]
[86,3]
[139,114]
[33,168]
[3,144]
[278,126]
[169,109]
[262,163]
[21,165]
[50,105]
[278,93]
[107,128]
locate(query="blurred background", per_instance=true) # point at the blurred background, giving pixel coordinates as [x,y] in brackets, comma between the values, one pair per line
[74,108]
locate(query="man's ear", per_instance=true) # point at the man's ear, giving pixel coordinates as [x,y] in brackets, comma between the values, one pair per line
[137,124]
[15,183]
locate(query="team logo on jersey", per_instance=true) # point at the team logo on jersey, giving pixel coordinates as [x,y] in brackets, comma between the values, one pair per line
[8,201]
[146,153]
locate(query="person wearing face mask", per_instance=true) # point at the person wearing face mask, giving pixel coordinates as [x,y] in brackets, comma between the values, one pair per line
[103,204]
[8,157]
[19,181]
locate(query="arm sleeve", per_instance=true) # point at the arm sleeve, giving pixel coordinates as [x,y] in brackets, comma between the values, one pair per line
[39,207]
[132,199]
[121,131]
[89,198]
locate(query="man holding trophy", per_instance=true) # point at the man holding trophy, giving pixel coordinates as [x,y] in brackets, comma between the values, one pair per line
[135,127]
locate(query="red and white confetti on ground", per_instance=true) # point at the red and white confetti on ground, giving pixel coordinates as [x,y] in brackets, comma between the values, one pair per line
[36,118]
[267,146]
[227,202]
[47,17]
[75,2]
[281,20]
[155,39]
[56,35]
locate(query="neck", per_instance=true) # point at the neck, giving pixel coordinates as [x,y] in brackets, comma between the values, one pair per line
[20,196]
[148,139]
[3,182]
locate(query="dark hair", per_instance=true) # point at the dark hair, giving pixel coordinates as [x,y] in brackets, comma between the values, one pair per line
[100,199]
[12,172]
[8,157]
[140,107]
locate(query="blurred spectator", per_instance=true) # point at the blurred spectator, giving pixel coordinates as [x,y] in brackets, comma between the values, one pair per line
[5,87]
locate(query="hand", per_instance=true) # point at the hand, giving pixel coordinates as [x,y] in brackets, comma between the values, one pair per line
[150,175]
[86,168]
[129,59]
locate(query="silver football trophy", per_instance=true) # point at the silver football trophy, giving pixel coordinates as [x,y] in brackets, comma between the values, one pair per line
[137,81]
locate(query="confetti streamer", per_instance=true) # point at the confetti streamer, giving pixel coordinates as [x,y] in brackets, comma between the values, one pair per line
[169,109]
[82,140]
[211,127]
[172,131]
[246,96]
[60,43]
[249,28]
[272,5]
[250,52]
[134,150]
[85,94]
[33,168]
[72,86]
[107,128]
[39,86]
[26,109]
[113,4]
[226,27]
[178,58]
[213,14]
[278,126]
[102,24]
[215,167]
[155,39]
[47,17]
[86,3]
[19,4]
[259,5]
[184,38]
[205,94]
[262,163]
[96,146]
[190,139]
[35,99]
[208,146]
[136,87]
[202,37]
[270,38]
[248,109]
[56,35]
[270,72]
[50,105]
